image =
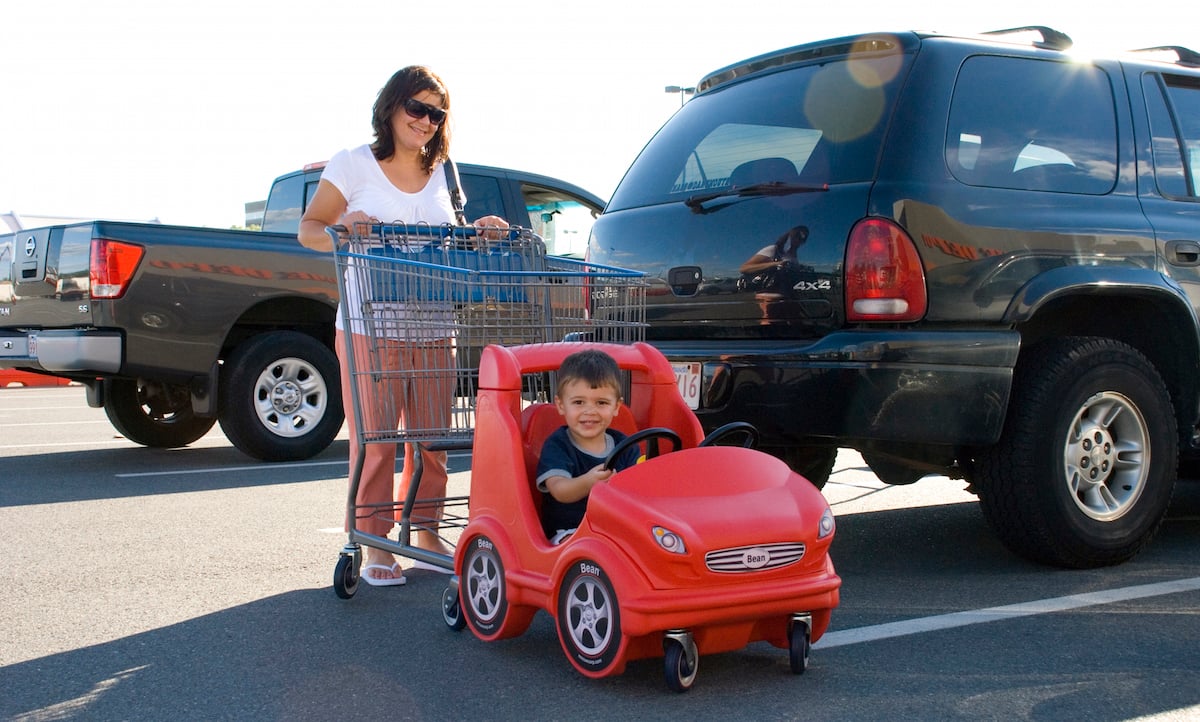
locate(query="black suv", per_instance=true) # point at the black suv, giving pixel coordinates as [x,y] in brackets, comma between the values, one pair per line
[972,256]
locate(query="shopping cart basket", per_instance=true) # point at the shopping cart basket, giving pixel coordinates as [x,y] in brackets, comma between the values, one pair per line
[451,291]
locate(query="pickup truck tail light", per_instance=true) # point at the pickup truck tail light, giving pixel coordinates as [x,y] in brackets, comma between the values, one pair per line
[112,267]
[885,281]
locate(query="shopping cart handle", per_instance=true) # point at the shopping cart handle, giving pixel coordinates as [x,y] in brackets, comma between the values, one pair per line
[385,230]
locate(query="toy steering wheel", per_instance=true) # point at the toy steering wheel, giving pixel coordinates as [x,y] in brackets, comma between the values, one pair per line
[637,437]
[733,428]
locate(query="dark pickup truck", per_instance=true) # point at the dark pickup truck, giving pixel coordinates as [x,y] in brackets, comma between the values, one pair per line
[174,328]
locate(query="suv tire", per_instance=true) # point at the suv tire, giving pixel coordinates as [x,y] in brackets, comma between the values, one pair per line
[1084,469]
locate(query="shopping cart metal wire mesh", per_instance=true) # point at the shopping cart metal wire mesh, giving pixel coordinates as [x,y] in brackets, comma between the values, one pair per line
[418,305]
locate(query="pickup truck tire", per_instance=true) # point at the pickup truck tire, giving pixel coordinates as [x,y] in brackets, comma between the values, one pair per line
[153,414]
[281,397]
[1085,466]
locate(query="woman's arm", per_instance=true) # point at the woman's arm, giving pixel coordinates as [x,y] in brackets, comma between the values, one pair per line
[327,208]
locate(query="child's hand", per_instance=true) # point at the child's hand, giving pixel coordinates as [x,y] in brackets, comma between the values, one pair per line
[596,475]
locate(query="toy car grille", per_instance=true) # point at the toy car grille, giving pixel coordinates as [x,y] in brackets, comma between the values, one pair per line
[754,558]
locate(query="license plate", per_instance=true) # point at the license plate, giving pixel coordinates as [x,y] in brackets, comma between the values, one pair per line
[687,378]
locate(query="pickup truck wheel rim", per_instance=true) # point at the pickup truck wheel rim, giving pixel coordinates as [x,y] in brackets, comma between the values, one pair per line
[1107,456]
[290,397]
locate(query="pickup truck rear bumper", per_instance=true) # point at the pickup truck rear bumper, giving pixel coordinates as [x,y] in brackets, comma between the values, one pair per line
[927,387]
[61,351]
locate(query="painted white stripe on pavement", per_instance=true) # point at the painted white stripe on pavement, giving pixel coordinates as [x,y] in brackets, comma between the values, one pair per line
[1010,611]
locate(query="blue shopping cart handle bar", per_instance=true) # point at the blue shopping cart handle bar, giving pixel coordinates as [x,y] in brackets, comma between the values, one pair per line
[385,231]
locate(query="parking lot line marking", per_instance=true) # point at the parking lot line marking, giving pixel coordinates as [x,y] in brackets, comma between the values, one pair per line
[920,625]
[226,469]
[257,467]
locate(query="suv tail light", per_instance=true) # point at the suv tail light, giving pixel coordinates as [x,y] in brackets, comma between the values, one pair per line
[884,278]
[112,267]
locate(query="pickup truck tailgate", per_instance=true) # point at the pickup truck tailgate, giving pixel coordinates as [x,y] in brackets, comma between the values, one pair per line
[45,306]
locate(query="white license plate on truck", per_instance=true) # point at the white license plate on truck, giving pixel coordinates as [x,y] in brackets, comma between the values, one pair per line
[687,378]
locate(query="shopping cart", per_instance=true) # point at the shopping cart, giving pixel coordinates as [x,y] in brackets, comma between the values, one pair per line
[451,291]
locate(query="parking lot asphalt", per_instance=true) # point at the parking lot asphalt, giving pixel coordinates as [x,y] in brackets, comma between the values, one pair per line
[196,584]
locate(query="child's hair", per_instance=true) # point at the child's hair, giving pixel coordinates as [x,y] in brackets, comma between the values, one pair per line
[591,366]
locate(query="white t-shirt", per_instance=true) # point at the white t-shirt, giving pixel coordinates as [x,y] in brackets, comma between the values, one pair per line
[357,175]
[362,183]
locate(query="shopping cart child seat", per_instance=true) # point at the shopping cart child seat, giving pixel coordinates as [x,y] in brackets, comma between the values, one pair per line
[540,420]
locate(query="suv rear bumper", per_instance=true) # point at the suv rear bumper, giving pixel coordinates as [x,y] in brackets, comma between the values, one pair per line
[927,387]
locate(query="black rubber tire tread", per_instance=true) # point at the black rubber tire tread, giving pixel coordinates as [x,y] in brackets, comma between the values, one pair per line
[171,422]
[1020,480]
[814,463]
[239,418]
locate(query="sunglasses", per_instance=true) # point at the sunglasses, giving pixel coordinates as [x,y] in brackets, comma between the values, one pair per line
[417,110]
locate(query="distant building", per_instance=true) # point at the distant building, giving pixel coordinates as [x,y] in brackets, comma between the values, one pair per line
[12,221]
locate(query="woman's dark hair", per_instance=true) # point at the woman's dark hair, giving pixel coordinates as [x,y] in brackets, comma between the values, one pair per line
[406,83]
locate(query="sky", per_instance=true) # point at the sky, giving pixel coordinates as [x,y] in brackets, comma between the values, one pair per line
[183,111]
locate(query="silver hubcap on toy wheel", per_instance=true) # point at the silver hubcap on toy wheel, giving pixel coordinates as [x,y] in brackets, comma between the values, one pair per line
[589,610]
[484,587]
[290,397]
[1107,456]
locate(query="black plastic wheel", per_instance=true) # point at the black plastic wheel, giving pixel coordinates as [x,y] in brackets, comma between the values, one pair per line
[452,613]
[799,647]
[589,617]
[154,414]
[482,591]
[637,437]
[345,577]
[744,430]
[679,665]
[281,397]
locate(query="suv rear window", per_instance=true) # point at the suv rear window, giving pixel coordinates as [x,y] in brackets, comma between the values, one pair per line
[819,123]
[1033,125]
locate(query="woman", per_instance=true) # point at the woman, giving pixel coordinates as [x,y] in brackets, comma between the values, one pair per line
[399,177]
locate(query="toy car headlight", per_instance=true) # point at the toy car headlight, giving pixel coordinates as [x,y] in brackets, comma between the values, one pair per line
[825,526]
[669,540]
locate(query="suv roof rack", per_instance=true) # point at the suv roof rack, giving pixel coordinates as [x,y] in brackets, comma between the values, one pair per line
[1051,39]
[1183,56]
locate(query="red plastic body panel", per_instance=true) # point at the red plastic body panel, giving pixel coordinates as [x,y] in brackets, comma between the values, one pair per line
[714,498]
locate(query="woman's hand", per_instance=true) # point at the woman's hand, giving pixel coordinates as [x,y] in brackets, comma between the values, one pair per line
[491,227]
[351,219]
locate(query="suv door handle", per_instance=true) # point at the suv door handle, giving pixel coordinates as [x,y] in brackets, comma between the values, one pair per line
[1183,253]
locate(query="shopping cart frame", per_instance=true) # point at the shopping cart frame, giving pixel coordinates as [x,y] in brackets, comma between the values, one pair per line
[515,293]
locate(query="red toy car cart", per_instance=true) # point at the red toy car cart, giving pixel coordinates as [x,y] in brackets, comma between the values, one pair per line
[701,550]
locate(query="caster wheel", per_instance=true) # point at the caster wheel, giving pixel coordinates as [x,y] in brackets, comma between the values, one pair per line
[345,577]
[452,613]
[680,661]
[799,647]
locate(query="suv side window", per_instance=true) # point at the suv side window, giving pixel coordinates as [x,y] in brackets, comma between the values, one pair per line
[1033,125]
[1173,105]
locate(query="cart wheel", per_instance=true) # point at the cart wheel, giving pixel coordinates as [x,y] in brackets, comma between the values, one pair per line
[452,613]
[799,646]
[483,596]
[679,664]
[589,618]
[345,577]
